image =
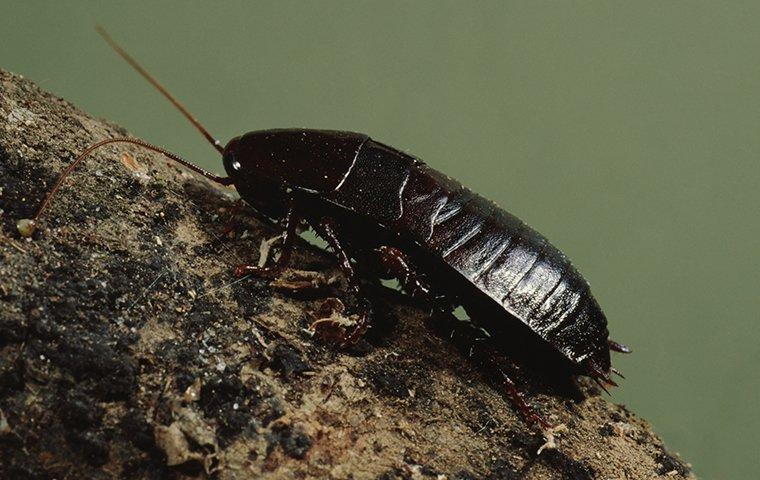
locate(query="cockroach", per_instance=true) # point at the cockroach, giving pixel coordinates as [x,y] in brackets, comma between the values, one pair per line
[374,204]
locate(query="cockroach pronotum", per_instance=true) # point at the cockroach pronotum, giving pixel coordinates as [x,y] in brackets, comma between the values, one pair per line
[375,204]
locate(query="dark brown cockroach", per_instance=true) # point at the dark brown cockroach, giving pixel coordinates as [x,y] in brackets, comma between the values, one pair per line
[374,204]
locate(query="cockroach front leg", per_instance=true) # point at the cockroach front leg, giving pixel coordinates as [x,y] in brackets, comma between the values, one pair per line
[329,327]
[288,239]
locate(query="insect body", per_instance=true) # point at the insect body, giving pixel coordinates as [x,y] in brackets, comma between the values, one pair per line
[375,205]
[381,199]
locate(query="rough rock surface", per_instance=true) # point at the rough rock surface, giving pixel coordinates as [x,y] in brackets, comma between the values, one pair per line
[128,350]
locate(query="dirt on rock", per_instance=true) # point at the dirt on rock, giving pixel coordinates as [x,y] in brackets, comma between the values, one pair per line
[128,349]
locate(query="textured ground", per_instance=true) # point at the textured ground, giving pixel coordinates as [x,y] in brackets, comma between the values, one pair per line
[128,350]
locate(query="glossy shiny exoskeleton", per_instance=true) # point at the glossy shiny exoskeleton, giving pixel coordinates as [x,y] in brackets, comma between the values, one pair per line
[385,213]
[381,197]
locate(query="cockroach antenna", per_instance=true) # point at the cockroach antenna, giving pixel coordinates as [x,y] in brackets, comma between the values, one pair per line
[27,226]
[147,76]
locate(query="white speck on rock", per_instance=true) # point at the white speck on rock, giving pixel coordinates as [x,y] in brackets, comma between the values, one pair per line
[22,115]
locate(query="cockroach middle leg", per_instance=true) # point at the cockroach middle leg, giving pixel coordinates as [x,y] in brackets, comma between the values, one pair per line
[326,229]
[289,235]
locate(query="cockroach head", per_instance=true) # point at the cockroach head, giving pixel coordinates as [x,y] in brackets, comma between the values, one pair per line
[264,165]
[256,184]
[231,161]
[309,160]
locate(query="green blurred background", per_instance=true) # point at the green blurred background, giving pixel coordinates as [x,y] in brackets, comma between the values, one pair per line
[628,133]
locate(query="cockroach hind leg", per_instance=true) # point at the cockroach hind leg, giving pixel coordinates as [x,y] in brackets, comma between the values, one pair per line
[531,415]
[618,347]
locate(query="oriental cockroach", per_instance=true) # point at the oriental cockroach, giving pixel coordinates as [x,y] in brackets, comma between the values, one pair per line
[374,204]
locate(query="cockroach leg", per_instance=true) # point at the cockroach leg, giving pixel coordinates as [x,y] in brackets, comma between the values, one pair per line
[486,355]
[387,262]
[518,401]
[288,239]
[395,263]
[618,347]
[326,230]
